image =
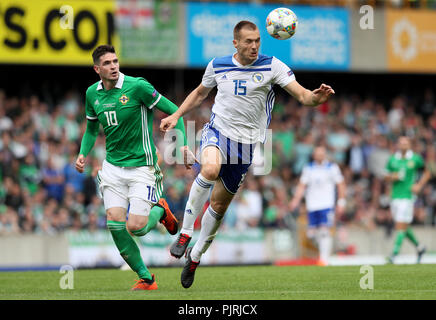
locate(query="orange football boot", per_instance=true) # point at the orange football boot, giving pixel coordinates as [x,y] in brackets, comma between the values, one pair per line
[168,219]
[145,284]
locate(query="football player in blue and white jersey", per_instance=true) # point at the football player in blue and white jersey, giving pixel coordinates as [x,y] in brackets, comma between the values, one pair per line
[321,182]
[240,116]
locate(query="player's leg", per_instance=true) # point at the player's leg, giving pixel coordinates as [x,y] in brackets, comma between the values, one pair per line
[409,234]
[114,190]
[147,206]
[200,189]
[116,223]
[121,188]
[402,215]
[139,213]
[325,238]
[325,243]
[318,231]
[211,164]
[400,234]
[312,227]
[219,201]
[212,218]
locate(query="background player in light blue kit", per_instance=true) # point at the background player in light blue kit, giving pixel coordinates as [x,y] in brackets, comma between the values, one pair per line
[321,182]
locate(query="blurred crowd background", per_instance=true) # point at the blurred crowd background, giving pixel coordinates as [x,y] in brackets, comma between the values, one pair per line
[40,135]
[412,4]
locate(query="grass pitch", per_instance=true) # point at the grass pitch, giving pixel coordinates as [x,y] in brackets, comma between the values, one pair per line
[229,283]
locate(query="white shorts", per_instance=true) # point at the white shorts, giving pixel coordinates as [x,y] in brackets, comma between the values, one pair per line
[136,186]
[402,210]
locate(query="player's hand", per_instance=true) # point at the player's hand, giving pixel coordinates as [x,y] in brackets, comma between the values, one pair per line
[416,188]
[340,210]
[188,157]
[80,163]
[322,94]
[95,171]
[395,176]
[293,204]
[168,123]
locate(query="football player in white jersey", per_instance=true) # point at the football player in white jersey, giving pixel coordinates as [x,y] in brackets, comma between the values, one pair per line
[240,117]
[318,183]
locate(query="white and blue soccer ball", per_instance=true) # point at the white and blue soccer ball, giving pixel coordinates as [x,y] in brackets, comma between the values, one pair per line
[281,23]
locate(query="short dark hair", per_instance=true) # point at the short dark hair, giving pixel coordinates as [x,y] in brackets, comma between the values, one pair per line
[243,24]
[101,50]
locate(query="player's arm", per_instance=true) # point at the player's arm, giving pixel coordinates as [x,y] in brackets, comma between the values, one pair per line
[90,135]
[307,97]
[426,176]
[341,203]
[88,141]
[192,101]
[170,108]
[299,193]
[391,175]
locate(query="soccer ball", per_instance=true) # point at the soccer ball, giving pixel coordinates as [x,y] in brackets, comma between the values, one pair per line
[281,23]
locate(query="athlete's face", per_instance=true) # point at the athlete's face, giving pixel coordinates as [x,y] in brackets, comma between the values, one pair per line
[403,144]
[108,67]
[319,154]
[247,46]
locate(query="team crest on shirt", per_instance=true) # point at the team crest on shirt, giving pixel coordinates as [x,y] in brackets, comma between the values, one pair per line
[257,77]
[124,99]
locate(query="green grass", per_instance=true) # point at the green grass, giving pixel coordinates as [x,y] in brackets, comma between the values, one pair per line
[230,283]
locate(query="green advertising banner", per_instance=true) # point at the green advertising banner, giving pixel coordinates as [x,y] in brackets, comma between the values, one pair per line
[149,32]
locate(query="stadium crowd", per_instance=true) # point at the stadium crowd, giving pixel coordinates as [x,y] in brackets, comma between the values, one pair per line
[41,192]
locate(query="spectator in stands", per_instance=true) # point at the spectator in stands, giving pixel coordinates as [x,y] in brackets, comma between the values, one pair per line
[53,180]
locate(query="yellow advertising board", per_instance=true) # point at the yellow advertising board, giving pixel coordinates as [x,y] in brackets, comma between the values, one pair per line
[54,31]
[411,40]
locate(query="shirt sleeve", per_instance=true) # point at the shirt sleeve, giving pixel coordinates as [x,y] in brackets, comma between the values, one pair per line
[282,74]
[208,80]
[419,162]
[147,94]
[305,176]
[389,165]
[89,109]
[336,173]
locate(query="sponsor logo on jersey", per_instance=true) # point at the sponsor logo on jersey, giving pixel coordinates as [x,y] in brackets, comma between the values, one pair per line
[224,77]
[154,94]
[109,105]
[257,77]
[290,73]
[96,103]
[123,99]
[213,139]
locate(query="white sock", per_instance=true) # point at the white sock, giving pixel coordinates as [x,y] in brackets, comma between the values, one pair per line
[324,244]
[209,227]
[198,195]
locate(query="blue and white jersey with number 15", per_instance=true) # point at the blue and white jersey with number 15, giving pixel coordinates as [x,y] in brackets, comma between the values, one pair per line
[245,96]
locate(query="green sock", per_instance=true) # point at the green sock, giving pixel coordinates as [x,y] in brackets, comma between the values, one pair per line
[128,248]
[398,241]
[411,236]
[153,218]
